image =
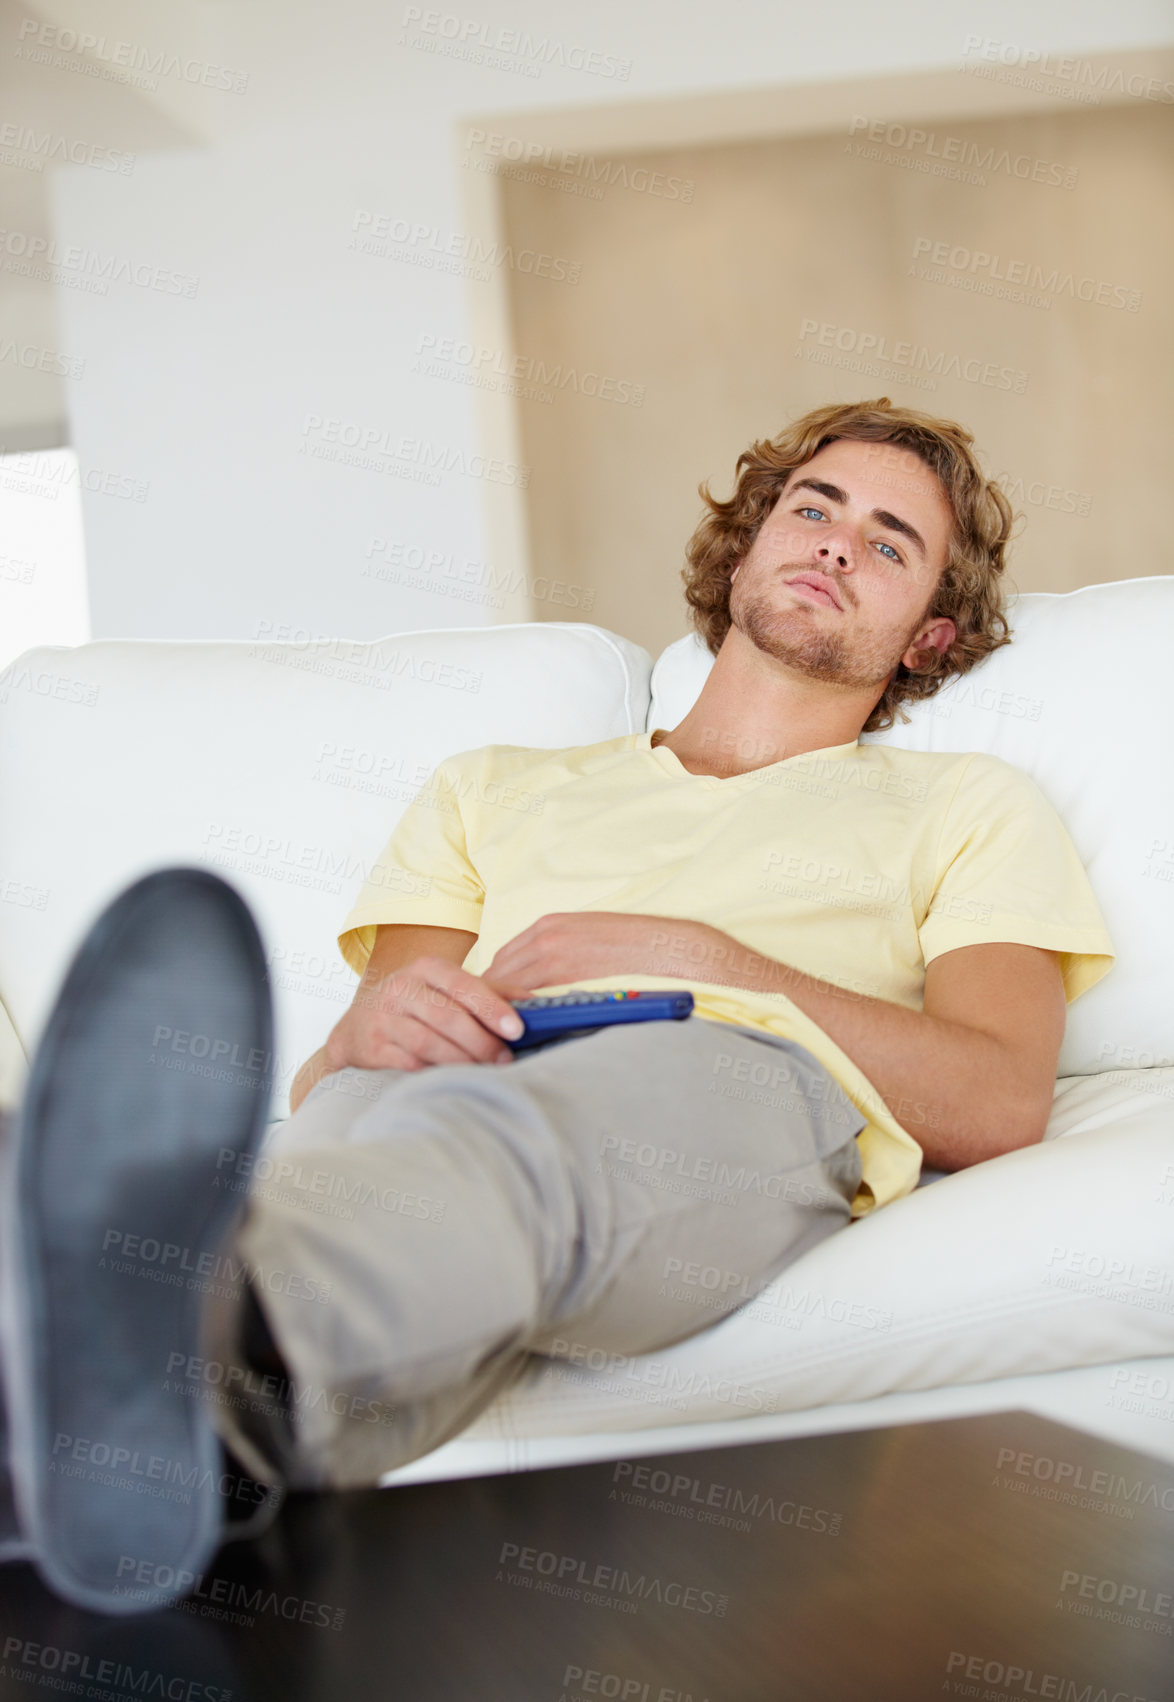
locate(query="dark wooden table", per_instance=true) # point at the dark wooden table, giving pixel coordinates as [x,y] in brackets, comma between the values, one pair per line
[1002,1557]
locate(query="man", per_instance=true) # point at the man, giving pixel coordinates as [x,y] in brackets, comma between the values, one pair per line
[886,939]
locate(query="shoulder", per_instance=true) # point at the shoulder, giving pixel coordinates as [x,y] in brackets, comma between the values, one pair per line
[550,764]
[988,777]
[992,801]
[951,772]
[924,777]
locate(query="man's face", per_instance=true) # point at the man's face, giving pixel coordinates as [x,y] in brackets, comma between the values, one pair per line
[874,521]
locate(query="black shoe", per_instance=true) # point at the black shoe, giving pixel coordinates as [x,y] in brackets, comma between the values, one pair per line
[156,1061]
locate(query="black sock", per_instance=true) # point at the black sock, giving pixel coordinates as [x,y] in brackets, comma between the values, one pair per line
[257,1343]
[265,1417]
[243,1493]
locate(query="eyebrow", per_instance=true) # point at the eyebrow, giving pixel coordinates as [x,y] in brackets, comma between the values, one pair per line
[891,521]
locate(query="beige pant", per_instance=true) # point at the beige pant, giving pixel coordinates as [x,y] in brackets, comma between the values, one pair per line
[412,1235]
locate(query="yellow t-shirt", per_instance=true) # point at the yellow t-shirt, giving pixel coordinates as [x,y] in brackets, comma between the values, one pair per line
[857,864]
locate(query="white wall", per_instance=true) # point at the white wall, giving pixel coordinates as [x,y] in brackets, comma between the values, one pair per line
[50,113]
[206,398]
[735,318]
[42,557]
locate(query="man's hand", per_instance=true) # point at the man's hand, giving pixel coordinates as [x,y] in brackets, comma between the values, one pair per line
[579,945]
[429,1012]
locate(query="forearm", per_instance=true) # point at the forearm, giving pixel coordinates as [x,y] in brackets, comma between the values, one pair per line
[953,1088]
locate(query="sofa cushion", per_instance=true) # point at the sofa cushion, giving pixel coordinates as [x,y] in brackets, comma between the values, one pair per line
[283,766]
[1082,700]
[13,1063]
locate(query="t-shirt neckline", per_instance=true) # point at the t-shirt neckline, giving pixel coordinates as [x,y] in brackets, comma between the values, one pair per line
[671,763]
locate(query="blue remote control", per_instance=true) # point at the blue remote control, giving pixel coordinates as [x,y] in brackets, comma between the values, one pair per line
[561,1015]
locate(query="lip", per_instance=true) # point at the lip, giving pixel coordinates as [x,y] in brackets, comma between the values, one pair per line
[816,587]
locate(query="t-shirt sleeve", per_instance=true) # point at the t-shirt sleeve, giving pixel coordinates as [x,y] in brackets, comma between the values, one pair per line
[424,875]
[1007,870]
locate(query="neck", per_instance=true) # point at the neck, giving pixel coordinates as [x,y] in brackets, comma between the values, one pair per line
[754,711]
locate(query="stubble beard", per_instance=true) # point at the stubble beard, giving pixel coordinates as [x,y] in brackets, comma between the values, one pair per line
[795,636]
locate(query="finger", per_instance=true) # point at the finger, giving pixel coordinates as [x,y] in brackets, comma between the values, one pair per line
[489,1007]
[389,1056]
[511,989]
[428,1044]
[504,965]
[516,966]
[455,1025]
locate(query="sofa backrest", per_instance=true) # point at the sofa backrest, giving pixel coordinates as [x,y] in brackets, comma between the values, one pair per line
[283,766]
[1082,700]
[286,766]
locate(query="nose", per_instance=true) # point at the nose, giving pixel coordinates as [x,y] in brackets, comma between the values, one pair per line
[835,551]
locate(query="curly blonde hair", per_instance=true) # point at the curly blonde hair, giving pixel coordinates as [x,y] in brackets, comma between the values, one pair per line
[970,591]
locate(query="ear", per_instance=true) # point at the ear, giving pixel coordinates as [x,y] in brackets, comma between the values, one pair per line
[937,635]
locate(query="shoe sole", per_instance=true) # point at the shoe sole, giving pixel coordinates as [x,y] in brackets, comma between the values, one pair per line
[155,1061]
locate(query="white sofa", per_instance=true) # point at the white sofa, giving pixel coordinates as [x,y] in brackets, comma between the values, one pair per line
[1042,1280]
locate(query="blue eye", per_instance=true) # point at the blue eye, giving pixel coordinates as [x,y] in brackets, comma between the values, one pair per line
[892,555]
[816,511]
